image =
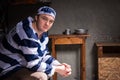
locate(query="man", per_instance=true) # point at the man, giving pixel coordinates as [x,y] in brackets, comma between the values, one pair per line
[24,53]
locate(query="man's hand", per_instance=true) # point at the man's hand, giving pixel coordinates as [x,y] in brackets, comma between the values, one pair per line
[67,69]
[63,69]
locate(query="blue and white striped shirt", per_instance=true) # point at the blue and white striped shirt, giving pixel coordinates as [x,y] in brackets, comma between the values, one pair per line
[22,48]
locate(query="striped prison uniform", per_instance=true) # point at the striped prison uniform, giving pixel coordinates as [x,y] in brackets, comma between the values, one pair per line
[21,47]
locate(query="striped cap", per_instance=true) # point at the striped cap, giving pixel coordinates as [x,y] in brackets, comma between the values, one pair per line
[47,10]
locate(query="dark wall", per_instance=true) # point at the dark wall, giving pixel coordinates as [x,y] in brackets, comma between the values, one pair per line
[100,17]
[18,12]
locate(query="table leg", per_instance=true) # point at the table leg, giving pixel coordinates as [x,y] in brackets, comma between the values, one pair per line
[83,62]
[54,55]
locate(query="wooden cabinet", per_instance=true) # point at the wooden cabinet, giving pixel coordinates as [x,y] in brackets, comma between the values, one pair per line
[108,61]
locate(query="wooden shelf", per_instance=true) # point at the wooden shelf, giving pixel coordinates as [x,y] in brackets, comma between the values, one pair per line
[108,49]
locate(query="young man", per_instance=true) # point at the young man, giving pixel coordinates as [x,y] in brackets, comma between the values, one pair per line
[24,53]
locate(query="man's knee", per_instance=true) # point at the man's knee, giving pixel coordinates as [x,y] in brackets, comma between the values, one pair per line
[39,75]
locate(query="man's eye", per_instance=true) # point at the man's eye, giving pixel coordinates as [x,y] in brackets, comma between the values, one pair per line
[51,21]
[44,18]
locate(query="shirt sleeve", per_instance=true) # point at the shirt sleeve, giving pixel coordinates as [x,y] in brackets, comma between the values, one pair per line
[51,60]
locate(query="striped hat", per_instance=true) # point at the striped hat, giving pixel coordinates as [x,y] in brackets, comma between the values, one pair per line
[47,10]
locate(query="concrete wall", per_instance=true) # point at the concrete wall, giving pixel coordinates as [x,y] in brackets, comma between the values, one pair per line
[100,17]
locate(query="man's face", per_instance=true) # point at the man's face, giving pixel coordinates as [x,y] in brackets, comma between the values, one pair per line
[44,22]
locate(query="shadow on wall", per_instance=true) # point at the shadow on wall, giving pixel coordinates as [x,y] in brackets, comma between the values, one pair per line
[94,63]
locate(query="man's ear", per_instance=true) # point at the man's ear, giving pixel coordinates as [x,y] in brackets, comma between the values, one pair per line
[36,17]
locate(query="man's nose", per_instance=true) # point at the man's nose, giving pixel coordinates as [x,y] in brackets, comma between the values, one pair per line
[47,22]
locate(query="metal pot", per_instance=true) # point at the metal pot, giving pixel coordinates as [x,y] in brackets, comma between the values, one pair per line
[81,31]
